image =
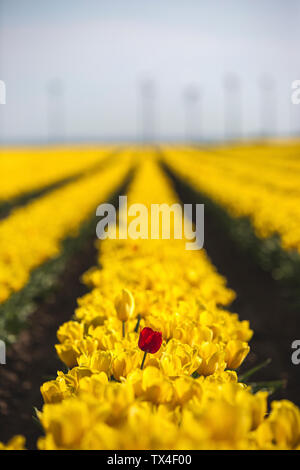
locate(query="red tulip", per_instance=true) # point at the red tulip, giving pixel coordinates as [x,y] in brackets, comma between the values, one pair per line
[149,342]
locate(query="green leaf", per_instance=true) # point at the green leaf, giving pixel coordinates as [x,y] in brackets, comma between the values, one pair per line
[269,386]
[36,419]
[195,375]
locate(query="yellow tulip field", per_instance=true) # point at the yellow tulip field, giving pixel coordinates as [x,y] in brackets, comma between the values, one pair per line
[151,352]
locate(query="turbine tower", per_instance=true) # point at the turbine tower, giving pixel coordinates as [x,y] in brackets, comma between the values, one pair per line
[268,106]
[55,110]
[232,107]
[192,113]
[148,110]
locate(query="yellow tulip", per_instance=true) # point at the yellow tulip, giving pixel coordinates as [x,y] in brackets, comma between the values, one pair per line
[124,304]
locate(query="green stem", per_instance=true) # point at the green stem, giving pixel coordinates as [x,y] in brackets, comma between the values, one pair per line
[137,323]
[123,329]
[143,361]
[254,369]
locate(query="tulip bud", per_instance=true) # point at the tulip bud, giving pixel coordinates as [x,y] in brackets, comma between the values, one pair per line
[124,305]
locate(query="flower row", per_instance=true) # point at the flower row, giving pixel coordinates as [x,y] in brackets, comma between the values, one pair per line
[261,183]
[27,170]
[33,234]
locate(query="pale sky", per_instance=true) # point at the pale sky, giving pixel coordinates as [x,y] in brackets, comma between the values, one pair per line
[100,50]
